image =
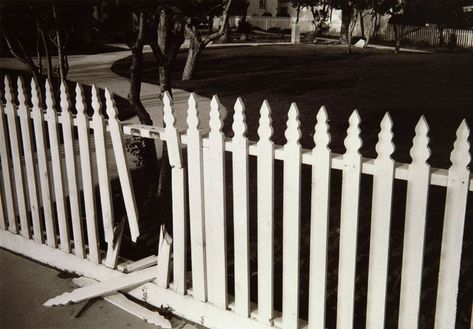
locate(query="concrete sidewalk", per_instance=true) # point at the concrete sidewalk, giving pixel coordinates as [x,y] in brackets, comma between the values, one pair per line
[25,285]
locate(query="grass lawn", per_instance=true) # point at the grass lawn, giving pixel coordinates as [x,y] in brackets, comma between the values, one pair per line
[407,85]
[438,85]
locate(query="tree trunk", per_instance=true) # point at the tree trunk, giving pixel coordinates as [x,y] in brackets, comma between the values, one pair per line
[49,67]
[362,25]
[397,37]
[191,63]
[164,80]
[344,28]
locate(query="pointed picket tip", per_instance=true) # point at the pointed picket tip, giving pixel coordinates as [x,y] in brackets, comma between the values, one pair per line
[168,116]
[96,105]
[215,122]
[239,124]
[354,119]
[385,147]
[353,141]
[422,127]
[293,132]
[265,110]
[322,115]
[420,151]
[8,89]
[65,101]
[49,96]
[110,107]
[460,156]
[167,99]
[215,102]
[80,102]
[192,117]
[35,96]
[321,134]
[265,129]
[192,101]
[20,85]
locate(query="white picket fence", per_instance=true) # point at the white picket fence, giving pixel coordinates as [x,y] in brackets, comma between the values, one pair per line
[431,35]
[49,197]
[200,293]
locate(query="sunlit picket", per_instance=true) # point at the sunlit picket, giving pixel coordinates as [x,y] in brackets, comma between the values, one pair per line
[192,278]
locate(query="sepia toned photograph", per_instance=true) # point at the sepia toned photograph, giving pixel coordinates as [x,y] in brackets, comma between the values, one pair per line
[229,164]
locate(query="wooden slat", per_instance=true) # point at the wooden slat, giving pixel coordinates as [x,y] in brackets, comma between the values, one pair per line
[102,168]
[16,156]
[3,215]
[33,193]
[7,175]
[164,258]
[43,168]
[87,181]
[320,207]
[383,180]
[72,185]
[349,224]
[122,282]
[215,216]
[241,211]
[265,212]
[57,170]
[291,221]
[414,231]
[116,132]
[178,197]
[113,248]
[196,202]
[452,238]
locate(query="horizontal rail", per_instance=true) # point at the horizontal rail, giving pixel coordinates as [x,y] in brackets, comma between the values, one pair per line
[439,176]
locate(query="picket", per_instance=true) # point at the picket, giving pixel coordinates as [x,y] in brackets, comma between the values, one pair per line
[383,180]
[196,202]
[291,221]
[178,197]
[215,216]
[73,189]
[57,171]
[7,176]
[414,231]
[452,238]
[265,202]
[43,168]
[87,179]
[116,133]
[33,193]
[241,211]
[12,118]
[349,224]
[321,164]
[102,168]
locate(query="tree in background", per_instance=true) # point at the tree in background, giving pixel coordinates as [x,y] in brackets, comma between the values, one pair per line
[319,10]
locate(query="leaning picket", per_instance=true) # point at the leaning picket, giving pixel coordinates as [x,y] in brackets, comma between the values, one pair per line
[87,181]
[73,190]
[116,133]
[102,169]
[215,217]
[7,175]
[196,201]
[383,179]
[43,168]
[56,162]
[291,221]
[349,224]
[16,156]
[33,193]
[321,164]
[414,231]
[178,197]
[241,211]
[452,238]
[3,217]
[265,202]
